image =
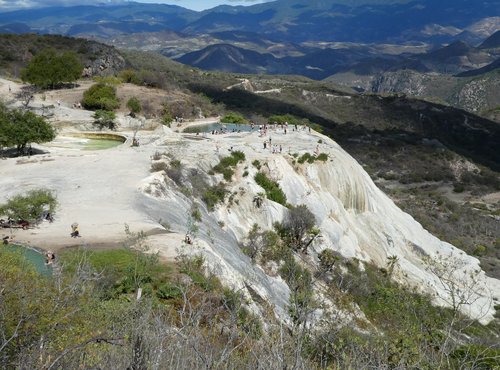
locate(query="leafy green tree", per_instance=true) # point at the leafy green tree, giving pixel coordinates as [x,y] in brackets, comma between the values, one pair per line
[19,129]
[134,105]
[29,207]
[166,115]
[298,222]
[233,118]
[105,118]
[48,69]
[100,96]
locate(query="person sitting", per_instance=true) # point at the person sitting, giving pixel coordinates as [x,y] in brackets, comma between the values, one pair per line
[187,239]
[75,231]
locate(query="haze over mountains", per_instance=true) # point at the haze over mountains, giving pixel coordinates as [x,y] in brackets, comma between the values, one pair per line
[278,28]
[384,46]
[283,20]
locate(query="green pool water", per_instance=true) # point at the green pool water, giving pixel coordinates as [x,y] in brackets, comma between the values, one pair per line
[100,144]
[85,143]
[34,257]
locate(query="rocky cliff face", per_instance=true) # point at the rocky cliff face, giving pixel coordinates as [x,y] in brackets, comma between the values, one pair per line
[478,94]
[356,219]
[100,59]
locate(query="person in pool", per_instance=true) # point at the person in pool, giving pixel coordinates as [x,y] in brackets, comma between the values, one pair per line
[50,257]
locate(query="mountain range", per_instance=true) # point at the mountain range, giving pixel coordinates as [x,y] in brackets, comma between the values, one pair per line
[367,45]
[364,21]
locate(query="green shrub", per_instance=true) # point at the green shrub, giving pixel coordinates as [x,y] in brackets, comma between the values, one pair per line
[130,76]
[233,118]
[108,80]
[134,105]
[480,250]
[272,189]
[105,119]
[227,164]
[306,157]
[100,96]
[193,266]
[168,291]
[322,157]
[327,259]
[166,115]
[214,195]
[477,356]
[195,212]
[256,164]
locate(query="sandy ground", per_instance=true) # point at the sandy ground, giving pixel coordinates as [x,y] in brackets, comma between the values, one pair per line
[97,189]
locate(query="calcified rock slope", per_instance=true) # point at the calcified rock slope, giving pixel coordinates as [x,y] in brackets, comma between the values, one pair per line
[355,217]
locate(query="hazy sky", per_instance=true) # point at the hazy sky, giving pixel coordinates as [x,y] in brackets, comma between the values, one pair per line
[204,4]
[6,5]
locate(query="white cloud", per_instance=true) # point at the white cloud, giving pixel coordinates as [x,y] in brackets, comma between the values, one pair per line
[23,4]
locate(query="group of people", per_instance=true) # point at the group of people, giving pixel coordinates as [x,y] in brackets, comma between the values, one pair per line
[16,224]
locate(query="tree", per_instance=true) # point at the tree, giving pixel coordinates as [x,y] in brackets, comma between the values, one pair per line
[100,96]
[298,221]
[18,128]
[461,287]
[233,118]
[327,259]
[134,105]
[48,69]
[166,115]
[105,118]
[29,207]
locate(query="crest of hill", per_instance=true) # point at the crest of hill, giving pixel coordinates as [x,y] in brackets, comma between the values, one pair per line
[491,42]
[17,50]
[228,58]
[481,71]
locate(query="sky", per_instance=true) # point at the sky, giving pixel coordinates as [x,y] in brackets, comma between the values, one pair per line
[6,5]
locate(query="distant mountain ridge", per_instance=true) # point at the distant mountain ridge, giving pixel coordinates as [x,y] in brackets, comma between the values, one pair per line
[491,42]
[284,20]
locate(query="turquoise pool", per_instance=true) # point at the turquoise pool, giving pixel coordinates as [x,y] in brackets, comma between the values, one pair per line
[34,257]
[228,127]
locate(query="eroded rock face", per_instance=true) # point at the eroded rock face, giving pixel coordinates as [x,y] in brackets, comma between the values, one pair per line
[106,62]
[356,218]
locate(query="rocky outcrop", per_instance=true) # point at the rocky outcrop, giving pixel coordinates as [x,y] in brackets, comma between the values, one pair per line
[105,61]
[476,94]
[405,82]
